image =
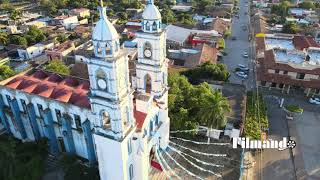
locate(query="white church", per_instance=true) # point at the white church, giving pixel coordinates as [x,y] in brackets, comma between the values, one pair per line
[117,121]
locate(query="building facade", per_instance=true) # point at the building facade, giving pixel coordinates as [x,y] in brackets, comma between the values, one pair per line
[288,63]
[105,119]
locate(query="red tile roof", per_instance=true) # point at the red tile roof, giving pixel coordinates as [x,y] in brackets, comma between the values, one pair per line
[302,42]
[206,54]
[53,86]
[140,117]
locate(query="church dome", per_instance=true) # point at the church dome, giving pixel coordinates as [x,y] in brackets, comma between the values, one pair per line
[151,12]
[104,30]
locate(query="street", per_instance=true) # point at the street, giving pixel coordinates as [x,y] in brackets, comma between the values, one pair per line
[236,48]
[270,164]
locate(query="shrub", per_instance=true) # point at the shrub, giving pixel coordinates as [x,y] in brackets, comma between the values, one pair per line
[294,108]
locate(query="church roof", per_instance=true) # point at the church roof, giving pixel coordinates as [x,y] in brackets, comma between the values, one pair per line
[104,29]
[151,12]
[49,85]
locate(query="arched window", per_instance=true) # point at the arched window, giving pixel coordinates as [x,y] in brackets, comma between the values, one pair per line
[108,48]
[148,26]
[99,49]
[148,83]
[106,120]
[154,26]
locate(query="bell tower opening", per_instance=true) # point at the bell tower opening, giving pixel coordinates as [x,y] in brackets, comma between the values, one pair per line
[148,84]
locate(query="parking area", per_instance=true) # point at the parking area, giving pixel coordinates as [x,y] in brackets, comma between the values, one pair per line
[304,129]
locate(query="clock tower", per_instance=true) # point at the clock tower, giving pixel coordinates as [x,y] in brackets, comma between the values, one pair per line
[151,68]
[110,93]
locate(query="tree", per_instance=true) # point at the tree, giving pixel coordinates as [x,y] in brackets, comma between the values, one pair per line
[201,5]
[50,6]
[221,43]
[307,5]
[214,108]
[18,40]
[5,72]
[34,35]
[290,28]
[15,14]
[207,71]
[168,16]
[57,66]
[22,161]
[4,38]
[281,9]
[61,38]
[190,106]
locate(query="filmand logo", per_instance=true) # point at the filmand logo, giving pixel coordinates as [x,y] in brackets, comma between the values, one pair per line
[247,143]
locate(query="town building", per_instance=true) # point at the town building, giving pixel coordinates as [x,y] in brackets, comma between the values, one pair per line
[31,52]
[66,21]
[108,119]
[288,62]
[81,12]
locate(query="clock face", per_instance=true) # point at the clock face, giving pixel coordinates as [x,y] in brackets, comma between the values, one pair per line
[147,53]
[102,84]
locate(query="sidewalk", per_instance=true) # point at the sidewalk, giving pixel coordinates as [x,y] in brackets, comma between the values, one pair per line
[248,166]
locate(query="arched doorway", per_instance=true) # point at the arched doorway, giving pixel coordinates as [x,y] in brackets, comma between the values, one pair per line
[148,84]
[153,159]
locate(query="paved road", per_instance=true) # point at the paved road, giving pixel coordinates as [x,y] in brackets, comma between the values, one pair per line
[235,48]
[272,163]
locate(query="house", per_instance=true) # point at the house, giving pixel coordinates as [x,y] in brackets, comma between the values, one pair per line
[179,36]
[220,25]
[66,21]
[191,58]
[80,12]
[31,52]
[312,18]
[299,12]
[60,51]
[82,31]
[287,62]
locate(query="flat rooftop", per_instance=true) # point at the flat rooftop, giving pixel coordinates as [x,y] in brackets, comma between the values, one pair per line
[298,50]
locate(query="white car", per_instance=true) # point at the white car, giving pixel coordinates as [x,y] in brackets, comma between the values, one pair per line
[241,74]
[314,101]
[245,54]
[243,67]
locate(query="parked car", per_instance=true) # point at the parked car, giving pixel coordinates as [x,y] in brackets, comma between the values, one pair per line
[245,54]
[314,101]
[233,38]
[242,74]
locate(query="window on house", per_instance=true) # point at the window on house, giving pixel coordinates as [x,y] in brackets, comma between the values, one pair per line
[281,85]
[300,75]
[285,72]
[131,172]
[129,147]
[77,120]
[277,71]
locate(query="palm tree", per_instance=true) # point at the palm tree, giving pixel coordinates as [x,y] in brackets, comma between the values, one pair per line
[213,111]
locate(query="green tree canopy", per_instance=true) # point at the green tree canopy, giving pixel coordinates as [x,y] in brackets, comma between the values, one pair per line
[290,28]
[34,35]
[208,71]
[307,5]
[168,16]
[57,66]
[22,161]
[6,72]
[190,106]
[18,40]
[4,39]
